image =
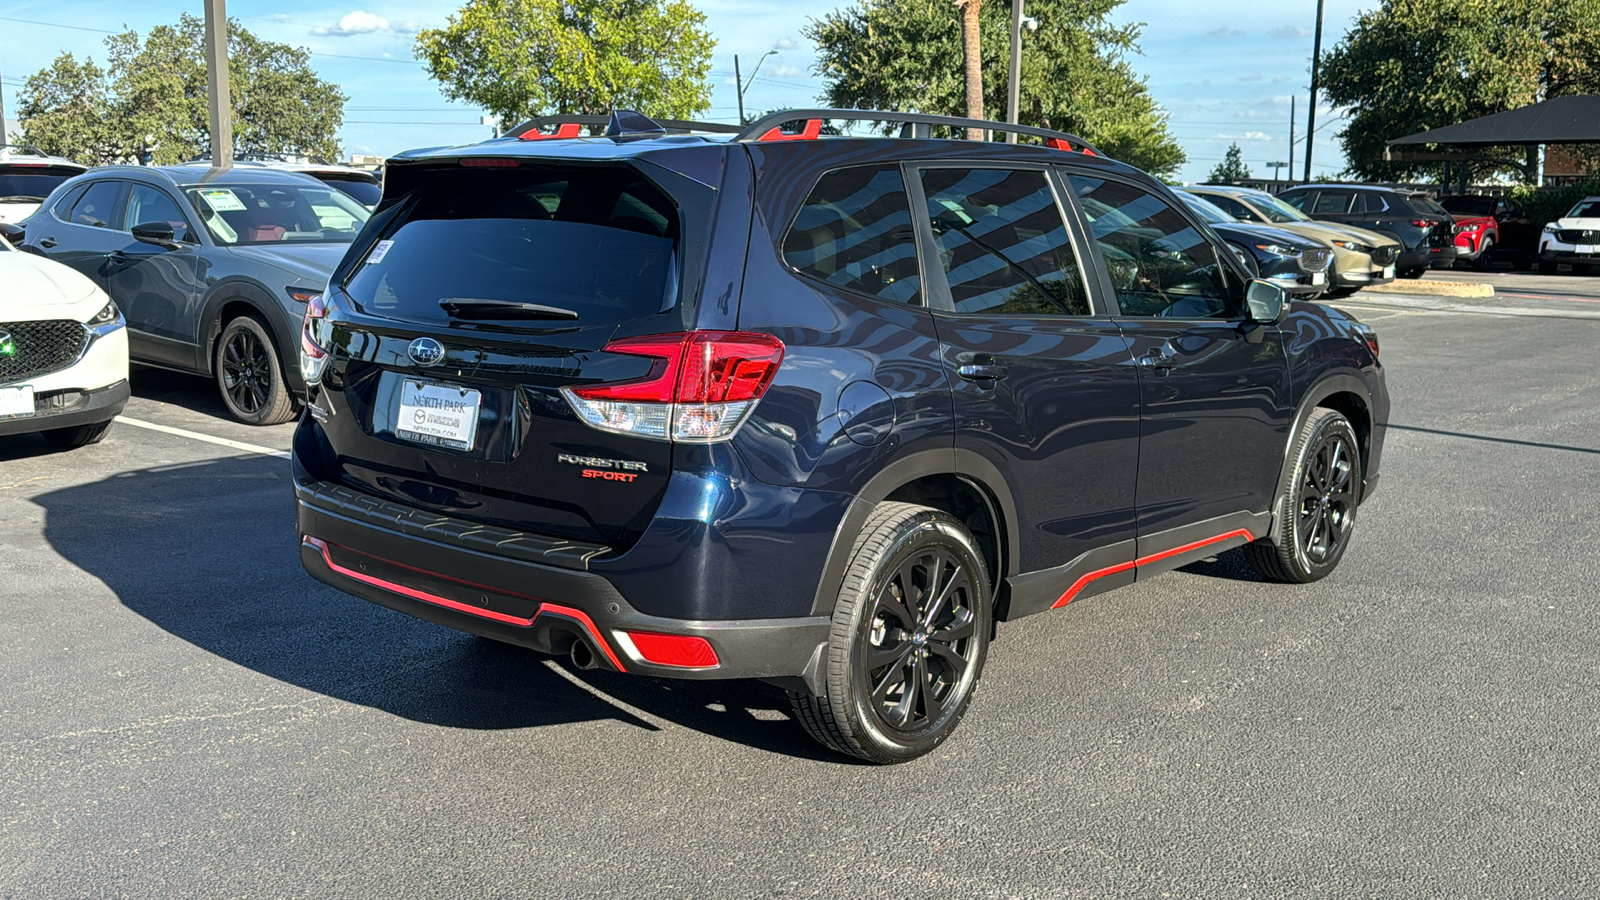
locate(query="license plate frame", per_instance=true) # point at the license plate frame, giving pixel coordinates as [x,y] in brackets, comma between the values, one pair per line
[18,402]
[439,414]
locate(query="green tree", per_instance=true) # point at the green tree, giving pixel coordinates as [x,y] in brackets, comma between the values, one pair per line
[1413,65]
[152,99]
[1232,169]
[907,55]
[522,58]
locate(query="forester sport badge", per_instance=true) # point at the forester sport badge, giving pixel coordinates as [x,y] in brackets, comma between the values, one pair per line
[425,351]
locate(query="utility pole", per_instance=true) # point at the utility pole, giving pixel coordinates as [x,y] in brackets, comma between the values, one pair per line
[1311,114]
[2,111]
[1291,137]
[1014,85]
[738,87]
[217,84]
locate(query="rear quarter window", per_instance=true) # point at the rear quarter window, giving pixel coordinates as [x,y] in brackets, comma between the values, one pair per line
[854,232]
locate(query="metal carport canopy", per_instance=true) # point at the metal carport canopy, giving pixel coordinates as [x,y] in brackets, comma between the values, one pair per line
[1561,120]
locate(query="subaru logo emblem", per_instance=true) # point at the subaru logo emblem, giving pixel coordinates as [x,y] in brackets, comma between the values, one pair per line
[425,351]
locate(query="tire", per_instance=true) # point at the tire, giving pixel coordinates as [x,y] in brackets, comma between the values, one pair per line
[250,376]
[1317,512]
[1546,268]
[903,551]
[1485,260]
[1336,293]
[77,436]
[1414,273]
[1582,269]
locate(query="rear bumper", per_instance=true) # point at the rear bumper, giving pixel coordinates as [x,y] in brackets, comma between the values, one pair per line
[544,607]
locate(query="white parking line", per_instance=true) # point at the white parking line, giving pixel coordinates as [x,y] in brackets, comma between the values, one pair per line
[210,439]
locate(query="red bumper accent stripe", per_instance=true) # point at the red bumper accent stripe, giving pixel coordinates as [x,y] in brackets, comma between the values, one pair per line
[1144,561]
[568,612]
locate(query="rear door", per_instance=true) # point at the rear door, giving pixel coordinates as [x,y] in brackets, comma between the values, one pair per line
[1215,392]
[1045,392]
[85,235]
[157,288]
[480,293]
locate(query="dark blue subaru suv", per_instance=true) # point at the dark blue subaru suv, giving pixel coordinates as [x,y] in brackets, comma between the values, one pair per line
[812,409]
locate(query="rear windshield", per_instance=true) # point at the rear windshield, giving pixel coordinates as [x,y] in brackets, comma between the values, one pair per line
[596,243]
[1468,206]
[1427,205]
[31,184]
[362,191]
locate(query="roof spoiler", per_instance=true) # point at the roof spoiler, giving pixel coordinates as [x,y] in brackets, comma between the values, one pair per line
[913,125]
[621,123]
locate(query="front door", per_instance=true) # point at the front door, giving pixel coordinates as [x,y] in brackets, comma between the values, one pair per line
[156,287]
[1214,389]
[1044,391]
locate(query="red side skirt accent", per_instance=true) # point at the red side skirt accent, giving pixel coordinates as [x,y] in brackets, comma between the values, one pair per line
[1078,585]
[566,612]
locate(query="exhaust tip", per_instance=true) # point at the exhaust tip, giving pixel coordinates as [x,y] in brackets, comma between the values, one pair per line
[582,656]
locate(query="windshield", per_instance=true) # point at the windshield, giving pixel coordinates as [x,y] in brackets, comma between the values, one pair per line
[1468,206]
[1276,211]
[31,185]
[1588,209]
[363,192]
[242,214]
[1205,209]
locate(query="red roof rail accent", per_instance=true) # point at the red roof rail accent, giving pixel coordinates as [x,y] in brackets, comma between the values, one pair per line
[812,131]
[564,130]
[1064,144]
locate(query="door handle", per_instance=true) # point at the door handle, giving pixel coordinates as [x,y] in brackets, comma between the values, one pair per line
[983,372]
[1157,359]
[48,243]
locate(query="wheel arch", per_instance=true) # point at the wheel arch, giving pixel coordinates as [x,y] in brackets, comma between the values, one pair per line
[959,482]
[232,299]
[1346,394]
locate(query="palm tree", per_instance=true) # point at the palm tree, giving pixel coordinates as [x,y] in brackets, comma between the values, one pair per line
[970,47]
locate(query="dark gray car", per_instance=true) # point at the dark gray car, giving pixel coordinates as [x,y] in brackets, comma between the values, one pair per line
[212,269]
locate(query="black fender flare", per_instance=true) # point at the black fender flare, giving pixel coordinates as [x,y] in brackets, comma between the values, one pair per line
[284,333]
[966,465]
[1322,389]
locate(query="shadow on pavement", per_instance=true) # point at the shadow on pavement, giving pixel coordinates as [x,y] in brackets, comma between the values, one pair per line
[196,393]
[1230,565]
[208,553]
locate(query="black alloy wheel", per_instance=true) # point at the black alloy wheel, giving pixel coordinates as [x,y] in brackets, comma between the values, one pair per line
[1485,260]
[1316,509]
[249,375]
[909,636]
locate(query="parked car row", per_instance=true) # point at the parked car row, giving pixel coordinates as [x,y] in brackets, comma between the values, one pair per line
[211,270]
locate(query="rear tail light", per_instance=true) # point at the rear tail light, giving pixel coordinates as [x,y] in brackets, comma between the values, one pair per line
[1424,223]
[313,355]
[677,650]
[702,386]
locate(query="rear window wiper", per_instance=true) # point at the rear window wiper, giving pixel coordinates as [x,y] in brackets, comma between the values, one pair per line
[473,308]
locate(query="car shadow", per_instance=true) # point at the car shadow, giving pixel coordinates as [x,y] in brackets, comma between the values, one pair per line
[208,553]
[196,393]
[1230,565]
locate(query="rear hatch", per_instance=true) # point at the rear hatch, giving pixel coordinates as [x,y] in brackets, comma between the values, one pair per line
[515,274]
[24,185]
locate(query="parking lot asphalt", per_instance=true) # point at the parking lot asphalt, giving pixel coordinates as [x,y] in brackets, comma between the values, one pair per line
[184,713]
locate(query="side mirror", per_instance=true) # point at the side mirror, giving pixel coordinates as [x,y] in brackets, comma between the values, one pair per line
[158,233]
[13,234]
[1264,302]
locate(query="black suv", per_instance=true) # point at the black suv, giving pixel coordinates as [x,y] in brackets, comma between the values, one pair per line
[815,410]
[1425,231]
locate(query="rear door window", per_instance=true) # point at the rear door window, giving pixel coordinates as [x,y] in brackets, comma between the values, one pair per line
[1002,243]
[854,232]
[591,244]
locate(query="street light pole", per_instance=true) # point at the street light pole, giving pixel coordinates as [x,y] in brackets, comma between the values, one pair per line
[738,80]
[221,101]
[1311,114]
[1014,85]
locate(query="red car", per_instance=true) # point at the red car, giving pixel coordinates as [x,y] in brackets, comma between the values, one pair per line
[1489,226]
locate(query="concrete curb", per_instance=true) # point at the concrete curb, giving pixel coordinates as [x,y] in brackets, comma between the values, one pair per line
[1431,288]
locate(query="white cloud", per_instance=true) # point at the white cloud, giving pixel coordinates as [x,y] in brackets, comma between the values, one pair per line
[353,23]
[1225,32]
[1279,79]
[1289,31]
[786,44]
[1253,76]
[787,71]
[1245,136]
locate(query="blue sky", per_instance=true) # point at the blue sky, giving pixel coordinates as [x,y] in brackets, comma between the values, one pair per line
[1224,73]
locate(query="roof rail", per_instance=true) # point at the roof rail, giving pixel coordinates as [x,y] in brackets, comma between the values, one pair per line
[572,126]
[914,125]
[25,148]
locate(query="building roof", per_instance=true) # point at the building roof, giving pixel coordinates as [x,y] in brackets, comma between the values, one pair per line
[1561,120]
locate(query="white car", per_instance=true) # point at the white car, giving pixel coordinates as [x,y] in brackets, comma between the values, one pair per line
[27,177]
[63,352]
[1573,239]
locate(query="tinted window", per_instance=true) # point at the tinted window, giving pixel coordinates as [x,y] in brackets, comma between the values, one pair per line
[98,205]
[31,184]
[363,192]
[147,206]
[854,232]
[63,207]
[1427,205]
[1002,243]
[1298,201]
[599,242]
[1469,206]
[273,213]
[1587,209]
[1331,203]
[1159,263]
[1232,207]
